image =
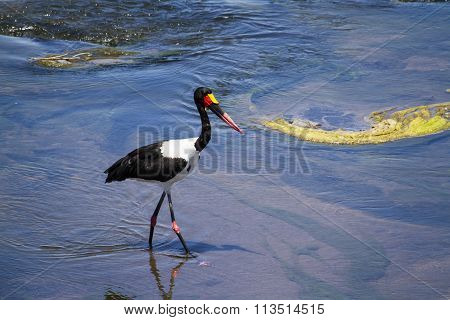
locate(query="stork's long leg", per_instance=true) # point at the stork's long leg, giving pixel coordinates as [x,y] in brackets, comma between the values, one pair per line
[154,219]
[174,223]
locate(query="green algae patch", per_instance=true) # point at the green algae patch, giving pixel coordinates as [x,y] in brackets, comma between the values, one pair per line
[81,57]
[388,125]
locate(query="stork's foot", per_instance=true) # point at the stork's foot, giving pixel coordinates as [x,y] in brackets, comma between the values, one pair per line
[150,244]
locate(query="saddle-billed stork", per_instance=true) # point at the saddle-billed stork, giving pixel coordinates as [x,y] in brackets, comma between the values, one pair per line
[169,161]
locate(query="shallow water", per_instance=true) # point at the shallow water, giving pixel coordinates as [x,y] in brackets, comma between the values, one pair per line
[267,216]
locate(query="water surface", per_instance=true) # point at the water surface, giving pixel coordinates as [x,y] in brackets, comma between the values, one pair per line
[268,217]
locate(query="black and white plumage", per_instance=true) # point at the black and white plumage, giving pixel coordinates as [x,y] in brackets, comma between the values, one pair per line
[164,162]
[167,162]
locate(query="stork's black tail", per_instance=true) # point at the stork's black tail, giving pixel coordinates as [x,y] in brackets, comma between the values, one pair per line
[120,170]
[111,171]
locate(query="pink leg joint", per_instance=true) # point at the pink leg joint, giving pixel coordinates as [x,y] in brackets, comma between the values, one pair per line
[175,227]
[153,221]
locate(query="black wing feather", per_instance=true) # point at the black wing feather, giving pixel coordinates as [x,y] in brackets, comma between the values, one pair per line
[145,163]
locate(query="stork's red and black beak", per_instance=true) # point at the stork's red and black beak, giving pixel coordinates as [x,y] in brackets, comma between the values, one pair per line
[211,103]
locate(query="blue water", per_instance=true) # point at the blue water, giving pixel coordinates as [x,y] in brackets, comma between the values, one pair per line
[267,216]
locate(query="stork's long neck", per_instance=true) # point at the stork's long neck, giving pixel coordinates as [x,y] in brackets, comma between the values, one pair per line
[205,135]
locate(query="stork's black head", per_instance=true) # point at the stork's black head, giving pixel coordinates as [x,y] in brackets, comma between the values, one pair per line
[204,99]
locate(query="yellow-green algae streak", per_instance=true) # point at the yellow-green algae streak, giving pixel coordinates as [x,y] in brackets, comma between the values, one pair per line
[79,57]
[387,126]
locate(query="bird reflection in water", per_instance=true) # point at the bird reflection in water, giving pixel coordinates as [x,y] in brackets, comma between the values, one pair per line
[111,294]
[165,295]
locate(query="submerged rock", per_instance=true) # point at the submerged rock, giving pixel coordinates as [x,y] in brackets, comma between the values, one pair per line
[80,57]
[387,126]
[105,56]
